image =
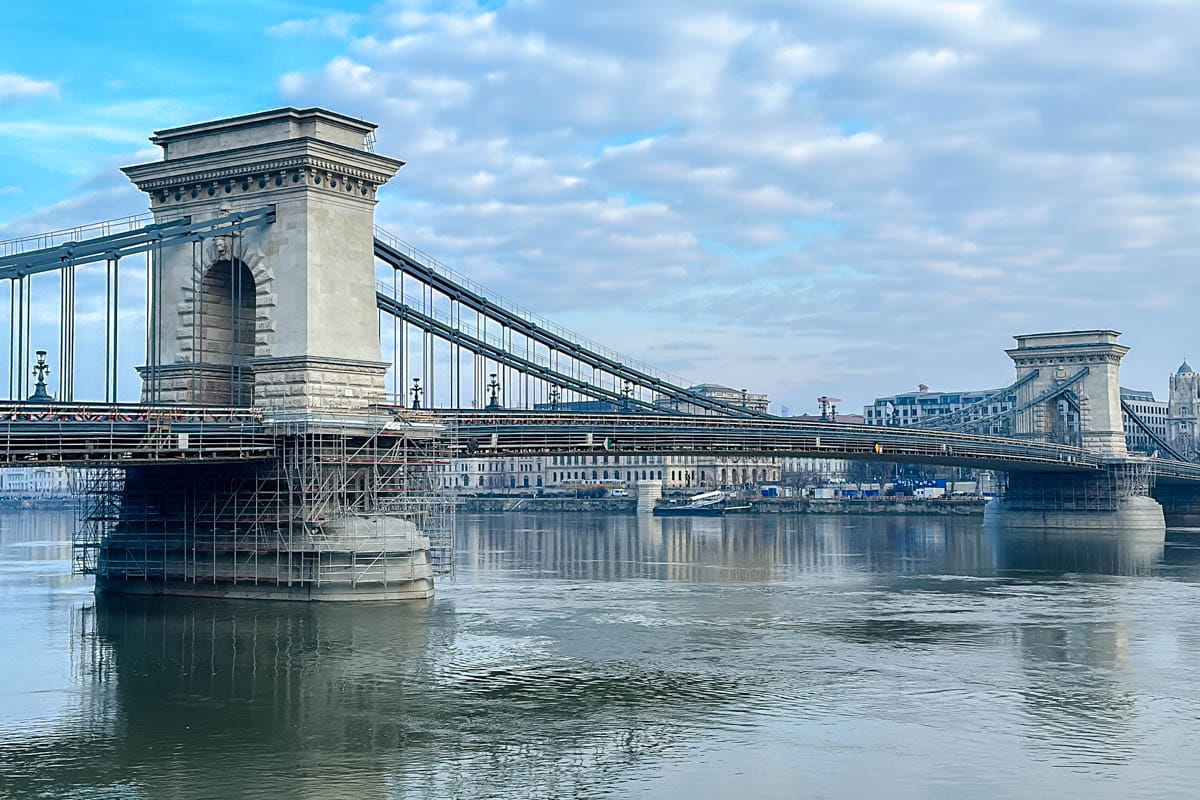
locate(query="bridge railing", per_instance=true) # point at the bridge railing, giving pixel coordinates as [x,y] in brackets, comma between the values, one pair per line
[34,434]
[93,230]
[126,413]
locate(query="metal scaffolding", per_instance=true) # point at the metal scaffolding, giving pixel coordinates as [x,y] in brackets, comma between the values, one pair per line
[344,507]
[1097,491]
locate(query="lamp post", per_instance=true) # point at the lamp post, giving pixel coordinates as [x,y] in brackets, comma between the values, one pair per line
[40,370]
[416,391]
[493,393]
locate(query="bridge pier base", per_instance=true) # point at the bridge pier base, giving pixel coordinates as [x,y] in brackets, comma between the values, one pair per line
[341,513]
[1117,500]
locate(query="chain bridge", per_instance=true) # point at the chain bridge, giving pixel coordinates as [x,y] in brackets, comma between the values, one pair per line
[306,377]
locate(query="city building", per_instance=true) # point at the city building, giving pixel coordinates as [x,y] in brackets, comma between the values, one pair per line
[812,471]
[495,474]
[912,408]
[1182,432]
[683,472]
[738,397]
[37,482]
[1153,413]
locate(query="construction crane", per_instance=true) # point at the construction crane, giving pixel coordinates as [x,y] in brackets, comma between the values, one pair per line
[828,407]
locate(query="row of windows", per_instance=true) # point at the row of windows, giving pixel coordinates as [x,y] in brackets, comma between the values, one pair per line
[917,413]
[575,461]
[582,475]
[497,466]
[727,476]
[494,482]
[502,466]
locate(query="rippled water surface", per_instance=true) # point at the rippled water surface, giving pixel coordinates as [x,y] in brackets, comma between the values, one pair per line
[612,656]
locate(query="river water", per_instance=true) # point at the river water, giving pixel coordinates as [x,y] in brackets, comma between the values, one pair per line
[614,656]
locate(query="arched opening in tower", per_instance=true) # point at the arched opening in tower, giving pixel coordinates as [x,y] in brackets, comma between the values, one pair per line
[226,311]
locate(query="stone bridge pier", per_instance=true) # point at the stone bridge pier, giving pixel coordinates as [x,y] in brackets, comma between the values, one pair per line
[282,317]
[1072,395]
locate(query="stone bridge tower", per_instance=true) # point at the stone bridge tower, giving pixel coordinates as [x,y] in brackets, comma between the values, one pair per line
[281,316]
[1085,366]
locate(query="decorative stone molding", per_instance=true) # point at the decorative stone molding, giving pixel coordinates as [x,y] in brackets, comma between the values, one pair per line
[267,167]
[248,179]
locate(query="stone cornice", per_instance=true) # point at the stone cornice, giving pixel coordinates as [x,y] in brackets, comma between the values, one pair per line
[315,362]
[239,171]
[292,163]
[1050,359]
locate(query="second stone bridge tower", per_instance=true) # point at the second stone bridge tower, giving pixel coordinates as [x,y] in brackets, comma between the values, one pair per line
[1078,383]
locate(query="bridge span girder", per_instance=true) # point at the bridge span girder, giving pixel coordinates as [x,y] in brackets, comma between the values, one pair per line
[513,433]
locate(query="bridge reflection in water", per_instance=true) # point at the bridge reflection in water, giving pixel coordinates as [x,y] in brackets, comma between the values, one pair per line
[584,654]
[774,547]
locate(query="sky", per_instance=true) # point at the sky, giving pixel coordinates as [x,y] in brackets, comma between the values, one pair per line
[843,198]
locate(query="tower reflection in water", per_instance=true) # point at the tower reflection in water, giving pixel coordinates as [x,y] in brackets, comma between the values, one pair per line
[251,698]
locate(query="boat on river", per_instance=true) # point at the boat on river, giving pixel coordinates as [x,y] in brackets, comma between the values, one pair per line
[708,504]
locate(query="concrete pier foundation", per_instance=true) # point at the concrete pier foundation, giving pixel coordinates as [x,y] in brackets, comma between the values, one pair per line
[1116,499]
[343,512]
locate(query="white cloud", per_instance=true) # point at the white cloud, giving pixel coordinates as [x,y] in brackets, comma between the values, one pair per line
[14,87]
[869,193]
[928,62]
[337,26]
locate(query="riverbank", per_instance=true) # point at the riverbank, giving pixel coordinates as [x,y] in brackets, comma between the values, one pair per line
[964,506]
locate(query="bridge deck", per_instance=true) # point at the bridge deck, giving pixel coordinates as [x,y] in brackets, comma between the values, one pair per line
[521,433]
[101,435]
[517,433]
[114,435]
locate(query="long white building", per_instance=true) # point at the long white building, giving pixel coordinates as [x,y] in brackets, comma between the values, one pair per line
[35,482]
[564,471]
